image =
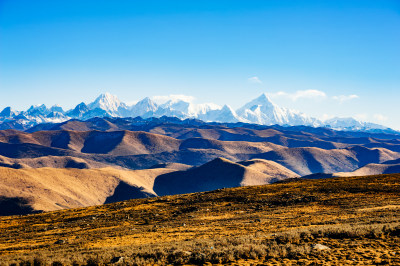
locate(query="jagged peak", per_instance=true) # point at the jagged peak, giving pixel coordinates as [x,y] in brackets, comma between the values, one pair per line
[106,101]
[7,112]
[146,100]
[82,104]
[226,107]
[56,108]
[263,99]
[37,106]
[107,97]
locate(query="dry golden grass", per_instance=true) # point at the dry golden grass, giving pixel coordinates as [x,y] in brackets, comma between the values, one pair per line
[356,217]
[50,189]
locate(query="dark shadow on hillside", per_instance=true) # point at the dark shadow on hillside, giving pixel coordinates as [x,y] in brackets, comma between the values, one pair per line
[314,165]
[124,191]
[211,176]
[102,142]
[78,165]
[392,170]
[62,140]
[15,206]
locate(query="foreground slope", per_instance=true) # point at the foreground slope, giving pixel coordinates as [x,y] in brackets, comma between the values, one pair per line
[340,221]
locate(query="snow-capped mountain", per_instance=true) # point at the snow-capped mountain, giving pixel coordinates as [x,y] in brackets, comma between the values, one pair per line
[260,111]
[264,112]
[79,111]
[7,113]
[225,114]
[57,108]
[352,124]
[111,104]
[144,108]
[37,110]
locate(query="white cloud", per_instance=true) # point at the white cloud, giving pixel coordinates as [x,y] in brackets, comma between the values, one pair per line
[160,99]
[380,117]
[254,80]
[304,94]
[344,98]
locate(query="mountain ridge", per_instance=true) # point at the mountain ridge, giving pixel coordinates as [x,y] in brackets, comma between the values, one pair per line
[261,111]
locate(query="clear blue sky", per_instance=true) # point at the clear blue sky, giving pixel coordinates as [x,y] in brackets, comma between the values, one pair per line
[70,51]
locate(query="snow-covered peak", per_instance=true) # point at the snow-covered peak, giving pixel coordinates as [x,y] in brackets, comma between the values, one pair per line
[56,108]
[177,105]
[260,110]
[262,101]
[106,102]
[343,122]
[144,107]
[56,115]
[78,111]
[263,111]
[225,114]
[37,110]
[350,123]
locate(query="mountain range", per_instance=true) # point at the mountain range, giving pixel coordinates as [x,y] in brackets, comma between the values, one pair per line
[261,111]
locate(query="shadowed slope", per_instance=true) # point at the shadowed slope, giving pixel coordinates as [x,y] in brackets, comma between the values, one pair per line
[14,206]
[216,174]
[51,161]
[125,191]
[305,161]
[50,189]
[373,169]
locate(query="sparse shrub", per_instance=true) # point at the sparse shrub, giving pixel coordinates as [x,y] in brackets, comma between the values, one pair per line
[92,262]
[38,262]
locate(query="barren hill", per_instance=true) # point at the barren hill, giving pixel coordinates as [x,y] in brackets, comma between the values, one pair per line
[141,150]
[220,173]
[48,189]
[45,189]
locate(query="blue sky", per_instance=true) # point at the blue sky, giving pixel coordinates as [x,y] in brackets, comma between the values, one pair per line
[325,58]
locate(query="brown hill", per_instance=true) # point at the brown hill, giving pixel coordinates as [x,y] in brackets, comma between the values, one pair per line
[115,142]
[48,189]
[305,161]
[372,169]
[270,168]
[141,150]
[220,173]
[51,161]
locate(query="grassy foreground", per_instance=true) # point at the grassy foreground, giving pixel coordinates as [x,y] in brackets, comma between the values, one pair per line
[354,220]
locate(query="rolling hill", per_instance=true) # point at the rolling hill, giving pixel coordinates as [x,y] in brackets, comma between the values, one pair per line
[176,157]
